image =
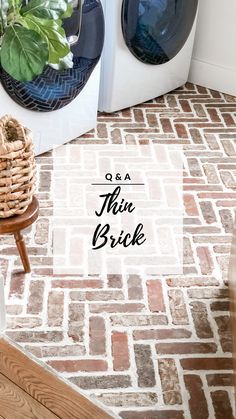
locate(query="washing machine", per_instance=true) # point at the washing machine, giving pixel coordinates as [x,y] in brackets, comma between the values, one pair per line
[147,51]
[59,106]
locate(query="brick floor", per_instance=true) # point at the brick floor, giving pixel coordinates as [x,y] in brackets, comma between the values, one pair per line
[143,357]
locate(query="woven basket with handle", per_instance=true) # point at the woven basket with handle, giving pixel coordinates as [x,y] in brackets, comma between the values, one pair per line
[17,167]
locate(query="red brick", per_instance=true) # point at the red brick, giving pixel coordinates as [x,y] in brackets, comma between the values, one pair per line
[188,252]
[207,364]
[190,205]
[42,271]
[29,322]
[35,300]
[221,404]
[225,332]
[145,366]
[201,321]
[202,90]
[185,105]
[14,310]
[116,308]
[227,220]
[155,296]
[80,283]
[197,402]
[228,180]
[120,351]
[170,382]
[138,115]
[205,260]
[208,293]
[211,141]
[219,195]
[98,295]
[220,380]
[166,125]
[114,281]
[41,234]
[76,322]
[212,239]
[229,120]
[214,115]
[211,174]
[153,414]
[86,365]
[128,399]
[229,148]
[102,382]
[37,261]
[102,131]
[17,285]
[220,306]
[194,168]
[188,282]
[199,110]
[159,334]
[55,308]
[131,320]
[35,336]
[208,212]
[51,350]
[181,131]
[222,249]
[116,136]
[177,307]
[152,119]
[202,188]
[186,348]
[135,289]
[97,345]
[202,230]
[45,181]
[193,181]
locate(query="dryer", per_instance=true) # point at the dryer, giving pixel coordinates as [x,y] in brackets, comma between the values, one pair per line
[59,106]
[147,51]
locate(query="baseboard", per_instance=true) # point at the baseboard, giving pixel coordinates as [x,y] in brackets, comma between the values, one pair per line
[212,76]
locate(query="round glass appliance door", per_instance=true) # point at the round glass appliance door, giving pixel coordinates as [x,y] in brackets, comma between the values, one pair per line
[156,30]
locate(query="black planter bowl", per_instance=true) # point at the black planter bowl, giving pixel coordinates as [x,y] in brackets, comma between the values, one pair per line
[53,89]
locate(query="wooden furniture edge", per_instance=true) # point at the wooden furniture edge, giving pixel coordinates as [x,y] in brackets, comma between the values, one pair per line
[13,398]
[44,386]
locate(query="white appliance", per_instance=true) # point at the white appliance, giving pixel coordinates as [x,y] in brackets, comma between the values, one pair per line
[59,107]
[55,128]
[148,49]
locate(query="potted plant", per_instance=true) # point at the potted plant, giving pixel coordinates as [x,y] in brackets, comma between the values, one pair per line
[32,36]
[48,50]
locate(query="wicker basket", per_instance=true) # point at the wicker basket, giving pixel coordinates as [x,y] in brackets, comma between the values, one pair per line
[17,167]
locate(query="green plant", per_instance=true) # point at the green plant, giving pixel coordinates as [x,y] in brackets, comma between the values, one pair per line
[32,36]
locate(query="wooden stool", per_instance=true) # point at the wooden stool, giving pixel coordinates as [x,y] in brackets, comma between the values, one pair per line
[17,223]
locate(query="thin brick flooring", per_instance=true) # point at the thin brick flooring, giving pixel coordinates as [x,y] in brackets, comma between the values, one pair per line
[147,348]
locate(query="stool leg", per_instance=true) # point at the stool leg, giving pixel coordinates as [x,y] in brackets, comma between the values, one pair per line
[22,251]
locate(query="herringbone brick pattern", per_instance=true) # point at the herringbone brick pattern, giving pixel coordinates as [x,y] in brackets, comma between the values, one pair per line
[150,209]
[146,347]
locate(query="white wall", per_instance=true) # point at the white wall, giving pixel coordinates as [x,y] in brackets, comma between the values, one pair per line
[214,56]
